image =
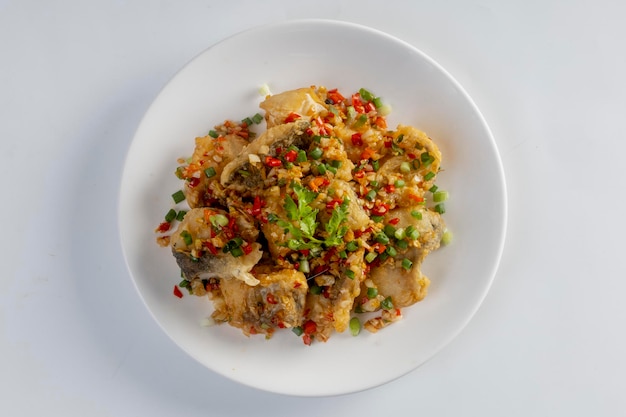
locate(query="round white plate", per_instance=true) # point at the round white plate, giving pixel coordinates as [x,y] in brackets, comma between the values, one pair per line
[222,83]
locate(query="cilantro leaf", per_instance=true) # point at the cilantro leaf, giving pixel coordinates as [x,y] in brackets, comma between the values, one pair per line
[303,225]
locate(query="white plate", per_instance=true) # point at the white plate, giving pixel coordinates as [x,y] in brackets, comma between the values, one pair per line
[222,82]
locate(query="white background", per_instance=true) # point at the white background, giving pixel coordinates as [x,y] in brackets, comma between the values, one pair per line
[75,80]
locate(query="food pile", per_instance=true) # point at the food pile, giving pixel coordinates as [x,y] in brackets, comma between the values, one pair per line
[317,224]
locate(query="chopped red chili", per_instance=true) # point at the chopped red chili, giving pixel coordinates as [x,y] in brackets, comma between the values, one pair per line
[394,221]
[292,117]
[271,299]
[272,162]
[164,227]
[247,248]
[193,182]
[335,96]
[291,156]
[177,292]
[357,103]
[380,210]
[356,140]
[211,247]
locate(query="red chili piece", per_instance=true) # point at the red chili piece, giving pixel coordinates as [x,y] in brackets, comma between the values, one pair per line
[292,117]
[356,139]
[291,156]
[380,210]
[193,182]
[164,227]
[177,292]
[272,162]
[394,221]
[271,299]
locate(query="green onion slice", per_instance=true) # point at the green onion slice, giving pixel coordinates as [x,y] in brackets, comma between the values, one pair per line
[178,196]
[355,326]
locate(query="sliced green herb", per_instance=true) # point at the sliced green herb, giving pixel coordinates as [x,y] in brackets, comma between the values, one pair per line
[210,172]
[178,196]
[186,237]
[171,215]
[386,304]
[355,326]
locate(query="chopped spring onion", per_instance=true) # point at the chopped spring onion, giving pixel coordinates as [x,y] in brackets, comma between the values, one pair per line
[372,292]
[351,112]
[382,238]
[426,159]
[272,218]
[433,189]
[181,215]
[370,257]
[386,304]
[355,326]
[377,219]
[402,244]
[375,165]
[304,266]
[440,208]
[331,169]
[440,196]
[236,252]
[171,215]
[384,110]
[407,264]
[417,214]
[257,118]
[411,232]
[264,90]
[446,238]
[301,156]
[335,163]
[378,103]
[391,251]
[389,230]
[350,273]
[315,289]
[210,172]
[321,169]
[178,196]
[213,133]
[399,234]
[429,176]
[352,246]
[298,330]
[371,195]
[186,237]
[180,173]
[360,121]
[218,220]
[248,121]
[366,95]
[399,183]
[405,167]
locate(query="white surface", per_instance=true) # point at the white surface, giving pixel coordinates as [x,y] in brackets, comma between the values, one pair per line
[75,79]
[422,95]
